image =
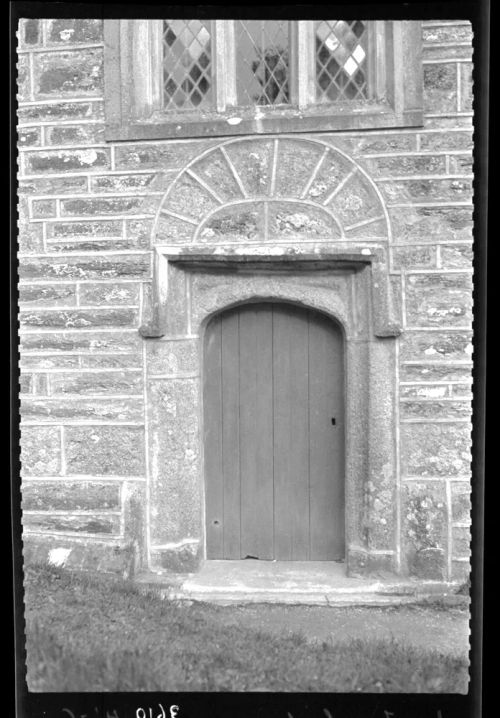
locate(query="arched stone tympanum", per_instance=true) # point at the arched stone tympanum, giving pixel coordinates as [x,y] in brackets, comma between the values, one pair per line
[270,190]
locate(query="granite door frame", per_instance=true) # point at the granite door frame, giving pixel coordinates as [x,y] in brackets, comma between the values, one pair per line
[191,285]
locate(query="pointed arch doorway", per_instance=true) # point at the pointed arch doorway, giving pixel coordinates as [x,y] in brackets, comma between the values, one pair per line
[273,398]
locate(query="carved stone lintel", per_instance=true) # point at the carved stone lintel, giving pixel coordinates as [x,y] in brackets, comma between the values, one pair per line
[385,320]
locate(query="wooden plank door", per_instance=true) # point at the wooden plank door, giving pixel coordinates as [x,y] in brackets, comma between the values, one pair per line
[274,436]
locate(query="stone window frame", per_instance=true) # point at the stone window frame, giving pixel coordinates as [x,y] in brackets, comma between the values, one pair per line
[132,70]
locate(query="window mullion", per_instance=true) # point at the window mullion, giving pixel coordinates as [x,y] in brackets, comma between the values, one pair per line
[305,63]
[147,66]
[376,60]
[224,64]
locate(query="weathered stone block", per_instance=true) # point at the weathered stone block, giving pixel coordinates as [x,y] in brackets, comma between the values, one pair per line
[235,223]
[57,409]
[426,372]
[447,33]
[430,224]
[71,31]
[296,163]
[332,171]
[437,346]
[171,155]
[67,495]
[122,183]
[462,390]
[117,342]
[356,201]
[138,231]
[89,244]
[419,257]
[61,111]
[253,163]
[102,450]
[460,502]
[29,137]
[446,140]
[69,73]
[427,189]
[456,255]
[65,160]
[466,87]
[425,528]
[105,293]
[43,208]
[173,426]
[92,524]
[183,559]
[461,539]
[86,268]
[429,564]
[23,78]
[53,185]
[48,361]
[30,237]
[40,294]
[190,199]
[461,164]
[363,563]
[124,382]
[460,571]
[76,553]
[372,143]
[111,361]
[84,228]
[30,32]
[80,318]
[74,135]
[442,122]
[406,165]
[426,391]
[448,52]
[96,206]
[435,449]
[439,299]
[25,383]
[40,451]
[436,409]
[301,221]
[215,171]
[440,87]
[172,357]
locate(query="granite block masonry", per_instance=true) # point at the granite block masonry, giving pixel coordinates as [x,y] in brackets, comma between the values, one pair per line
[111,427]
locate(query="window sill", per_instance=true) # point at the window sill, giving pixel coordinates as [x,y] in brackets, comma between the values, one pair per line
[259,121]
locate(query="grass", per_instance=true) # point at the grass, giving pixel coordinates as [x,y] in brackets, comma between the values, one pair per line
[93,634]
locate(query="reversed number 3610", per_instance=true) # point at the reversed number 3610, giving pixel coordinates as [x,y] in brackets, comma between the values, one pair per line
[141,712]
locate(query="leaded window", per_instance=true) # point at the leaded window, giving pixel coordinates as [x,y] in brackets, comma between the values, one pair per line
[188,77]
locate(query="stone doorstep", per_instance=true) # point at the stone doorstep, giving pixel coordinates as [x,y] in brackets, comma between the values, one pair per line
[189,587]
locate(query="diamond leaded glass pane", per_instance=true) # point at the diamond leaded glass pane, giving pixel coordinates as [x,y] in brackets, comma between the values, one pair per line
[341,60]
[187,64]
[262,62]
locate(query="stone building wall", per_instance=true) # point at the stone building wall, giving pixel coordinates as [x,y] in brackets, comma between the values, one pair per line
[87,212]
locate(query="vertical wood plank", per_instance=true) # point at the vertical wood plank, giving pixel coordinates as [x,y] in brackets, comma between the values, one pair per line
[326,440]
[291,434]
[256,432]
[230,433]
[212,415]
